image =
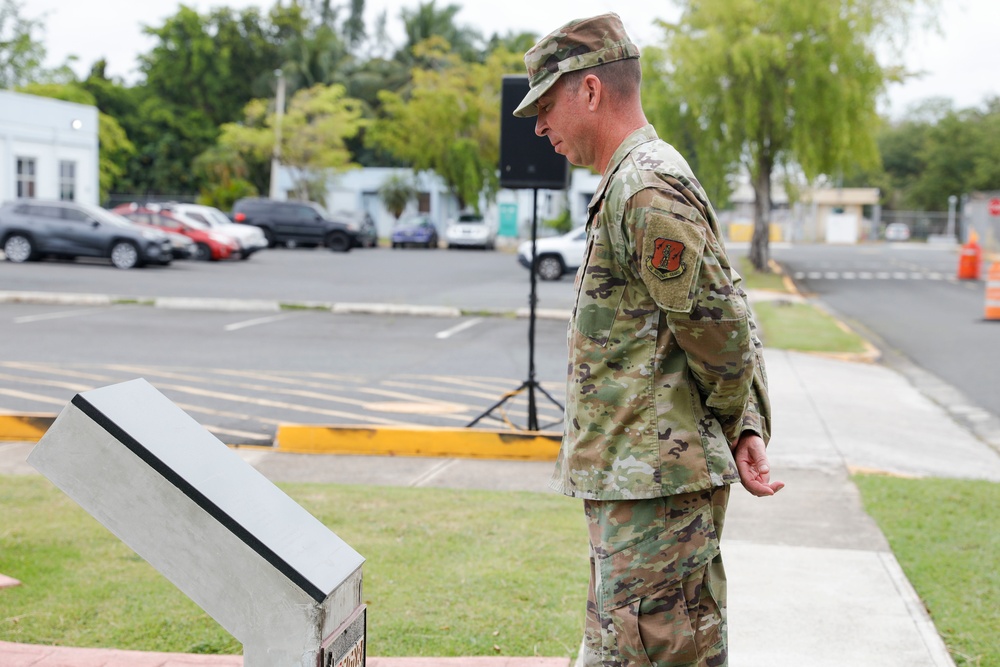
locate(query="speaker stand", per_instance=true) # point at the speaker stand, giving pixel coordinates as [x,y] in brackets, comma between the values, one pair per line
[531,384]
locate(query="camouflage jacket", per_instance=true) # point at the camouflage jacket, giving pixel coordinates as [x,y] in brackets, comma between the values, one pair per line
[665,367]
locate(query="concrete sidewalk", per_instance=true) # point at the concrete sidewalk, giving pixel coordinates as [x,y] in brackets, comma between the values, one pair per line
[812,581]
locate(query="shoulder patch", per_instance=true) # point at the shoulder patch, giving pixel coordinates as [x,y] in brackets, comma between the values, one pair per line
[671,259]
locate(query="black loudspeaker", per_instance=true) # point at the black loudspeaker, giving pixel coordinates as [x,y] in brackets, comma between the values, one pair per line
[526,160]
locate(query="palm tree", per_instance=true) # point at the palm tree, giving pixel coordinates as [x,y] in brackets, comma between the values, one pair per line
[396,192]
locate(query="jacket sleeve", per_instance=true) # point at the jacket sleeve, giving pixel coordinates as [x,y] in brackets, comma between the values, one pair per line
[676,255]
[757,418]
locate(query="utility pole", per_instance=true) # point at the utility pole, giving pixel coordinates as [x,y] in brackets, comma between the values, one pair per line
[279,109]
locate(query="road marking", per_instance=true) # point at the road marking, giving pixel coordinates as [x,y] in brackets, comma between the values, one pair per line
[27,319]
[428,475]
[235,326]
[448,333]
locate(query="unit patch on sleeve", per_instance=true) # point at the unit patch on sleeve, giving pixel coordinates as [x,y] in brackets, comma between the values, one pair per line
[671,259]
[667,259]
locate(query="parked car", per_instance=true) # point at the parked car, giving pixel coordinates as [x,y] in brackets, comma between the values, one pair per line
[556,254]
[295,223]
[209,245]
[470,230]
[418,230]
[363,224]
[31,229]
[251,239]
[897,231]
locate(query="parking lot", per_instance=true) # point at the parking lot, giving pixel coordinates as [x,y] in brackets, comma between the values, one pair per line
[241,372]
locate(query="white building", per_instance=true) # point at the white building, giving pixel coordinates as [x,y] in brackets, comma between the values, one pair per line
[48,149]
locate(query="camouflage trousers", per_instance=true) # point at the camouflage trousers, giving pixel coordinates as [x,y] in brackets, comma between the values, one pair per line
[657,586]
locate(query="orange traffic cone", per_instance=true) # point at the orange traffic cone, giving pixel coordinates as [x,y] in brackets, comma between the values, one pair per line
[970,259]
[993,292]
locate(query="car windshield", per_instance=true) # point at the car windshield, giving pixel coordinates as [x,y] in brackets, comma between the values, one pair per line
[105,216]
[467,218]
[412,222]
[216,217]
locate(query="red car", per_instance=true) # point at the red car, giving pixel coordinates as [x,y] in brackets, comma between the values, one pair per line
[210,245]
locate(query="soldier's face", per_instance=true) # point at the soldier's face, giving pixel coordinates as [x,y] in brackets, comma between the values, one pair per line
[562,118]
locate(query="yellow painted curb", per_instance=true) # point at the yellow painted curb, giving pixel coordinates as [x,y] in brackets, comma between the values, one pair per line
[24,427]
[419,441]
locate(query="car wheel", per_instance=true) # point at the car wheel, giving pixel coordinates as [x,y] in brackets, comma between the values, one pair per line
[202,252]
[19,248]
[124,255]
[245,254]
[550,267]
[338,242]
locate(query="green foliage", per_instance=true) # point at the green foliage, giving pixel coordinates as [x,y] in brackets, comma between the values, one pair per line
[425,22]
[784,82]
[210,63]
[943,533]
[396,192]
[21,55]
[936,151]
[314,132]
[449,121]
[446,573]
[562,223]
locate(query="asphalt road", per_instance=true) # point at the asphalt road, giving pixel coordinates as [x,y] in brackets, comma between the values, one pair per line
[907,298]
[242,373]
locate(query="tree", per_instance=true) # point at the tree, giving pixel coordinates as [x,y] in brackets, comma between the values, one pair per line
[785,83]
[21,55]
[314,130]
[214,63]
[426,21]
[396,192]
[450,121]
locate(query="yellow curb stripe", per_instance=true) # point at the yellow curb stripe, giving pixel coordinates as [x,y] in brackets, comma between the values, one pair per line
[419,441]
[24,428]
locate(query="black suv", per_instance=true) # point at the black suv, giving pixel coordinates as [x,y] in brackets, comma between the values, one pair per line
[296,223]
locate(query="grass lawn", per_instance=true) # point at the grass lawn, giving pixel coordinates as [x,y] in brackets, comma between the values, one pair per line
[945,535]
[448,573]
[794,326]
[803,327]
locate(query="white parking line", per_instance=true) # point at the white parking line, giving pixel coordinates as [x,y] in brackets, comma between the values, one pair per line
[52,316]
[448,333]
[260,320]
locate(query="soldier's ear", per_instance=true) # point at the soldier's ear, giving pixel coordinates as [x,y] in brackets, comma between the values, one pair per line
[592,87]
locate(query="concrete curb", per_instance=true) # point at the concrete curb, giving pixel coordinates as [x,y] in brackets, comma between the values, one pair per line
[365,440]
[412,441]
[25,427]
[269,306]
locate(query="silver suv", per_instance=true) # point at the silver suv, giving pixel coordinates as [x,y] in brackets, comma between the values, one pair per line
[31,229]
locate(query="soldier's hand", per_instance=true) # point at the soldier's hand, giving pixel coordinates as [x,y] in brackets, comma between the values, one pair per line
[751,461]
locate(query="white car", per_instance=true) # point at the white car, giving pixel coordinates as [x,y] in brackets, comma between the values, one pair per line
[250,238]
[556,254]
[470,230]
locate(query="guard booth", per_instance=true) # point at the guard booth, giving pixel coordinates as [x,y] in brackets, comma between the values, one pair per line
[270,573]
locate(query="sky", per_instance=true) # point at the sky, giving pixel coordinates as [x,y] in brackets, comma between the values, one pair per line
[958,60]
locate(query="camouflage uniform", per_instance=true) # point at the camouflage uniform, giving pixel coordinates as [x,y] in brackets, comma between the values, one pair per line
[665,373]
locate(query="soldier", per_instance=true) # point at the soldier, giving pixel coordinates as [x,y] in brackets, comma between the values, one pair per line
[666,401]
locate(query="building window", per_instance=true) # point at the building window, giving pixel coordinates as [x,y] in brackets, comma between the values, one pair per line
[25,177]
[67,180]
[424,202]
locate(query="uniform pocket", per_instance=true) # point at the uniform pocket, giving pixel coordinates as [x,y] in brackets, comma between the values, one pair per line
[639,571]
[602,286]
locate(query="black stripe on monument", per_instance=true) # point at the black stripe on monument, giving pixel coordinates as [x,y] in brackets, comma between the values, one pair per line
[199,498]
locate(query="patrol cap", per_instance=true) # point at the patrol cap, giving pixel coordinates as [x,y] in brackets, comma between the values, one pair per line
[579,44]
